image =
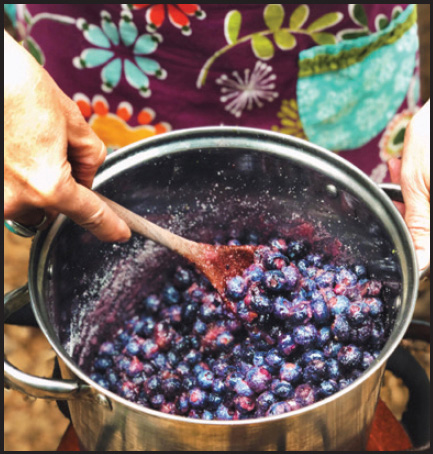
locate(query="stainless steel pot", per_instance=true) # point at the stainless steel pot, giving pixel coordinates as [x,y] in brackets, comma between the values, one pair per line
[200,182]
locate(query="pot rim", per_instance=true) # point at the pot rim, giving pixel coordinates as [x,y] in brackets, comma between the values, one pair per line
[123,158]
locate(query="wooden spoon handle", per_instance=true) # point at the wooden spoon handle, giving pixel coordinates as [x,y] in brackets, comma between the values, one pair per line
[152,231]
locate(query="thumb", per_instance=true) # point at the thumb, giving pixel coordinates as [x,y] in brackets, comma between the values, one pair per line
[85,208]
[417,217]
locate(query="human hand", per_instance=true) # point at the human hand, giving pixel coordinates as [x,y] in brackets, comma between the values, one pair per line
[51,153]
[413,173]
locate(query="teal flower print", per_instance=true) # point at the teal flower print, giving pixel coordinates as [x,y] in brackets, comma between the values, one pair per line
[119,49]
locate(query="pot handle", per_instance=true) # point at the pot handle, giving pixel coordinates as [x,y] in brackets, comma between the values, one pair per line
[393,191]
[42,388]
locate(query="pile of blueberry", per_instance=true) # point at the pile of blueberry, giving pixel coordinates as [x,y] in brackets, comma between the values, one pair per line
[304,328]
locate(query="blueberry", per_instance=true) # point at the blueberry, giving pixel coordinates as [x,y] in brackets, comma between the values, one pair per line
[274,359]
[297,249]
[282,390]
[147,325]
[188,382]
[133,347]
[123,363]
[171,386]
[223,413]
[189,312]
[153,385]
[182,404]
[107,348]
[244,404]
[233,242]
[157,400]
[100,380]
[320,312]
[225,341]
[259,359]
[152,304]
[360,271]
[275,261]
[367,360]
[199,327]
[331,349]
[264,401]
[149,349]
[193,357]
[312,355]
[253,273]
[308,285]
[305,394]
[102,363]
[377,335]
[305,335]
[279,244]
[205,379]
[261,304]
[315,371]
[172,359]
[327,387]
[258,379]
[286,344]
[341,328]
[300,313]
[375,306]
[349,356]
[170,295]
[236,288]
[207,415]
[326,279]
[314,260]
[182,278]
[278,408]
[355,316]
[274,280]
[135,367]
[218,386]
[344,383]
[291,277]
[281,308]
[346,277]
[333,371]
[324,336]
[339,305]
[208,312]
[213,401]
[197,398]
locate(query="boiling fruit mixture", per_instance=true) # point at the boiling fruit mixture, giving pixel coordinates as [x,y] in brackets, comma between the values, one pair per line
[303,328]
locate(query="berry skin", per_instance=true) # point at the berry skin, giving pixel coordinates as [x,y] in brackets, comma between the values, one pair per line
[258,379]
[286,344]
[224,341]
[355,316]
[305,395]
[291,277]
[102,363]
[244,404]
[274,280]
[282,390]
[274,359]
[339,305]
[261,304]
[281,308]
[205,379]
[278,408]
[170,295]
[312,355]
[296,250]
[349,356]
[327,387]
[197,398]
[107,348]
[152,304]
[236,288]
[323,336]
[375,306]
[264,401]
[223,413]
[242,389]
[325,280]
[320,312]
[315,371]
[254,273]
[133,347]
[305,335]
[341,328]
[182,278]
[300,313]
[333,371]
[290,372]
[100,380]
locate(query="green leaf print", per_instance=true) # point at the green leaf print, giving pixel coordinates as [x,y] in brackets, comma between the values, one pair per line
[35,50]
[299,17]
[324,38]
[381,22]
[274,16]
[352,33]
[262,47]
[326,21]
[358,14]
[232,26]
[284,40]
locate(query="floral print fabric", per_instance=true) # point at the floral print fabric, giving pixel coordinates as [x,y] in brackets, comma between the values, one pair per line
[137,70]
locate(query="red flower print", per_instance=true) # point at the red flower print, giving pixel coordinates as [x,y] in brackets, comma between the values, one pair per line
[177,13]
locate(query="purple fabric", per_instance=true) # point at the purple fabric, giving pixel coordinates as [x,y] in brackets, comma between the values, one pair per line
[176,100]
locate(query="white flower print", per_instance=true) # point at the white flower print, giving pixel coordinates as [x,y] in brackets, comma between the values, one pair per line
[244,93]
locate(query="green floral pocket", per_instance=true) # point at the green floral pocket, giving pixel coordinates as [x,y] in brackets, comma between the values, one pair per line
[348,92]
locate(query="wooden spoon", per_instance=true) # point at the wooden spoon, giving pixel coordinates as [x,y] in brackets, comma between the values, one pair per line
[217,263]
